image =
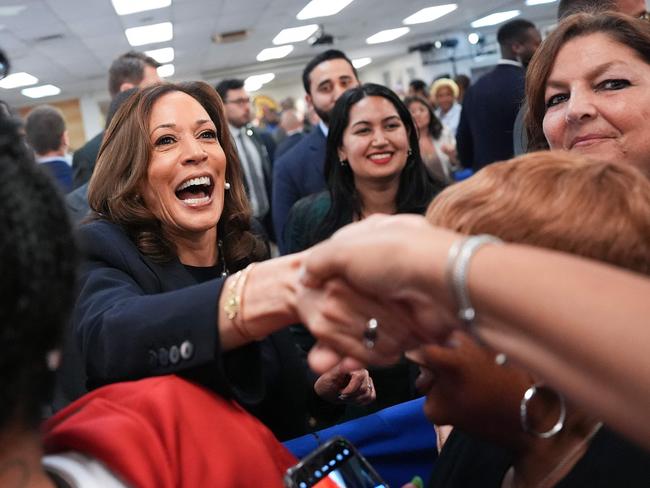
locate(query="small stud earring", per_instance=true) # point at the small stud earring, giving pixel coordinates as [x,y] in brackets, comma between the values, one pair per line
[226,186]
[410,152]
[344,162]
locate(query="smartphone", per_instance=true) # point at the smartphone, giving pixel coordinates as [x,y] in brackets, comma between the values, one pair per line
[335,464]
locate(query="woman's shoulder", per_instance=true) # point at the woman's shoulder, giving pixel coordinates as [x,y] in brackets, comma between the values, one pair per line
[304,218]
[312,206]
[101,239]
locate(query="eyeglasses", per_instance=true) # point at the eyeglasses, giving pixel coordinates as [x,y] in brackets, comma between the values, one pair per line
[645,16]
[239,101]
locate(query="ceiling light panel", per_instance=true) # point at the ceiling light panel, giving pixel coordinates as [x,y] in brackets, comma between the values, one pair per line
[322,8]
[274,52]
[387,35]
[361,62]
[163,56]
[532,3]
[165,70]
[126,7]
[494,19]
[295,34]
[41,91]
[149,34]
[18,79]
[430,14]
[255,82]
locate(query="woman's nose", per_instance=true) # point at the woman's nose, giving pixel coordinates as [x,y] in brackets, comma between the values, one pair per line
[581,106]
[193,151]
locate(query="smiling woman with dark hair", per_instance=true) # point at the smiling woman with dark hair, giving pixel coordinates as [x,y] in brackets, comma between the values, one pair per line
[168,284]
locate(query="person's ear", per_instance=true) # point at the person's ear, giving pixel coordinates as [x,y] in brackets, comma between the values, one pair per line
[65,139]
[127,86]
[342,154]
[309,101]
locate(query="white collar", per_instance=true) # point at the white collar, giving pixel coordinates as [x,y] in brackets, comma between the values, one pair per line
[511,62]
[324,128]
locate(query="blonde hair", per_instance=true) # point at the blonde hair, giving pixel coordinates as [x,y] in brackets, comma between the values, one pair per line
[555,200]
[444,82]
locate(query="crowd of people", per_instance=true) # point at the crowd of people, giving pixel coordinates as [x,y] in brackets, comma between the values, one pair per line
[192,289]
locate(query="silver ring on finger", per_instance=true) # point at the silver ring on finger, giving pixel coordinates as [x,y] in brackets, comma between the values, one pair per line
[370,333]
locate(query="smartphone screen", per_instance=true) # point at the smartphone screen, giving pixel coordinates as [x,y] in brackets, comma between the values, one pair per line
[336,464]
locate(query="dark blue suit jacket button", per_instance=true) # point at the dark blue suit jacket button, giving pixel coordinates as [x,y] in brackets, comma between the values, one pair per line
[153,359]
[187,350]
[163,357]
[174,354]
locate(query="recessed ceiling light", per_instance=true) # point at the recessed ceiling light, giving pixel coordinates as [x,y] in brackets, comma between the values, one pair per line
[494,19]
[148,34]
[430,14]
[11,10]
[126,7]
[255,82]
[361,62]
[531,3]
[473,38]
[165,70]
[295,34]
[322,8]
[41,91]
[387,35]
[18,79]
[163,55]
[274,52]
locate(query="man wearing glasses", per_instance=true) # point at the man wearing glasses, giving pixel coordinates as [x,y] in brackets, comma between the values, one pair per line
[253,154]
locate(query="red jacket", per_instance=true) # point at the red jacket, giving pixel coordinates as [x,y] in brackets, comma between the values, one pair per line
[167,432]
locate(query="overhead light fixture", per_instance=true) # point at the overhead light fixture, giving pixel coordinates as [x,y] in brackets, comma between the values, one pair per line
[322,8]
[494,19]
[126,7]
[163,55]
[473,38]
[361,62]
[165,70]
[149,34]
[274,52]
[255,82]
[18,79]
[387,35]
[41,91]
[295,34]
[532,3]
[430,14]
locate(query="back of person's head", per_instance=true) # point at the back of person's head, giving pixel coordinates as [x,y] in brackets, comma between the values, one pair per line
[128,68]
[289,120]
[328,55]
[44,129]
[224,86]
[570,7]
[623,29]
[418,86]
[555,200]
[37,259]
[116,103]
[514,31]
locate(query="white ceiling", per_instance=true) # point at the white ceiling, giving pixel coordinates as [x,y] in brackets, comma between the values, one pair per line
[71,43]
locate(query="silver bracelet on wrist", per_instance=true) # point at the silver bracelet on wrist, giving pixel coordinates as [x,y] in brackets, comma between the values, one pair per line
[458,261]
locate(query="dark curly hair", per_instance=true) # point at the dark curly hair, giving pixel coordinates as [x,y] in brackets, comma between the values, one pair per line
[37,256]
[416,189]
[122,167]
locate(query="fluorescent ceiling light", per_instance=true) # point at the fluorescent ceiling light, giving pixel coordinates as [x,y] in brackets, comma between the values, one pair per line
[531,3]
[148,34]
[387,35]
[361,62]
[494,19]
[430,14]
[322,8]
[295,34]
[255,82]
[165,70]
[473,38]
[41,91]
[163,56]
[18,79]
[126,7]
[274,52]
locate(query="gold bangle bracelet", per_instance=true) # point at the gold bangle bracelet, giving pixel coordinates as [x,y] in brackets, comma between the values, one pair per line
[234,304]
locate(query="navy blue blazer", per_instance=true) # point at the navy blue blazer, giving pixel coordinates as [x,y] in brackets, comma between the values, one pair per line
[60,171]
[136,318]
[296,174]
[490,108]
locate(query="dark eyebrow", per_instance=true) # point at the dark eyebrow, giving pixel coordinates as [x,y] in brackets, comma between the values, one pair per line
[173,126]
[324,82]
[593,73]
[390,117]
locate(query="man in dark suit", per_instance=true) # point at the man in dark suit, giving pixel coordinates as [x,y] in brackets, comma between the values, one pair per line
[299,172]
[254,155]
[127,71]
[292,127]
[490,106]
[48,137]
